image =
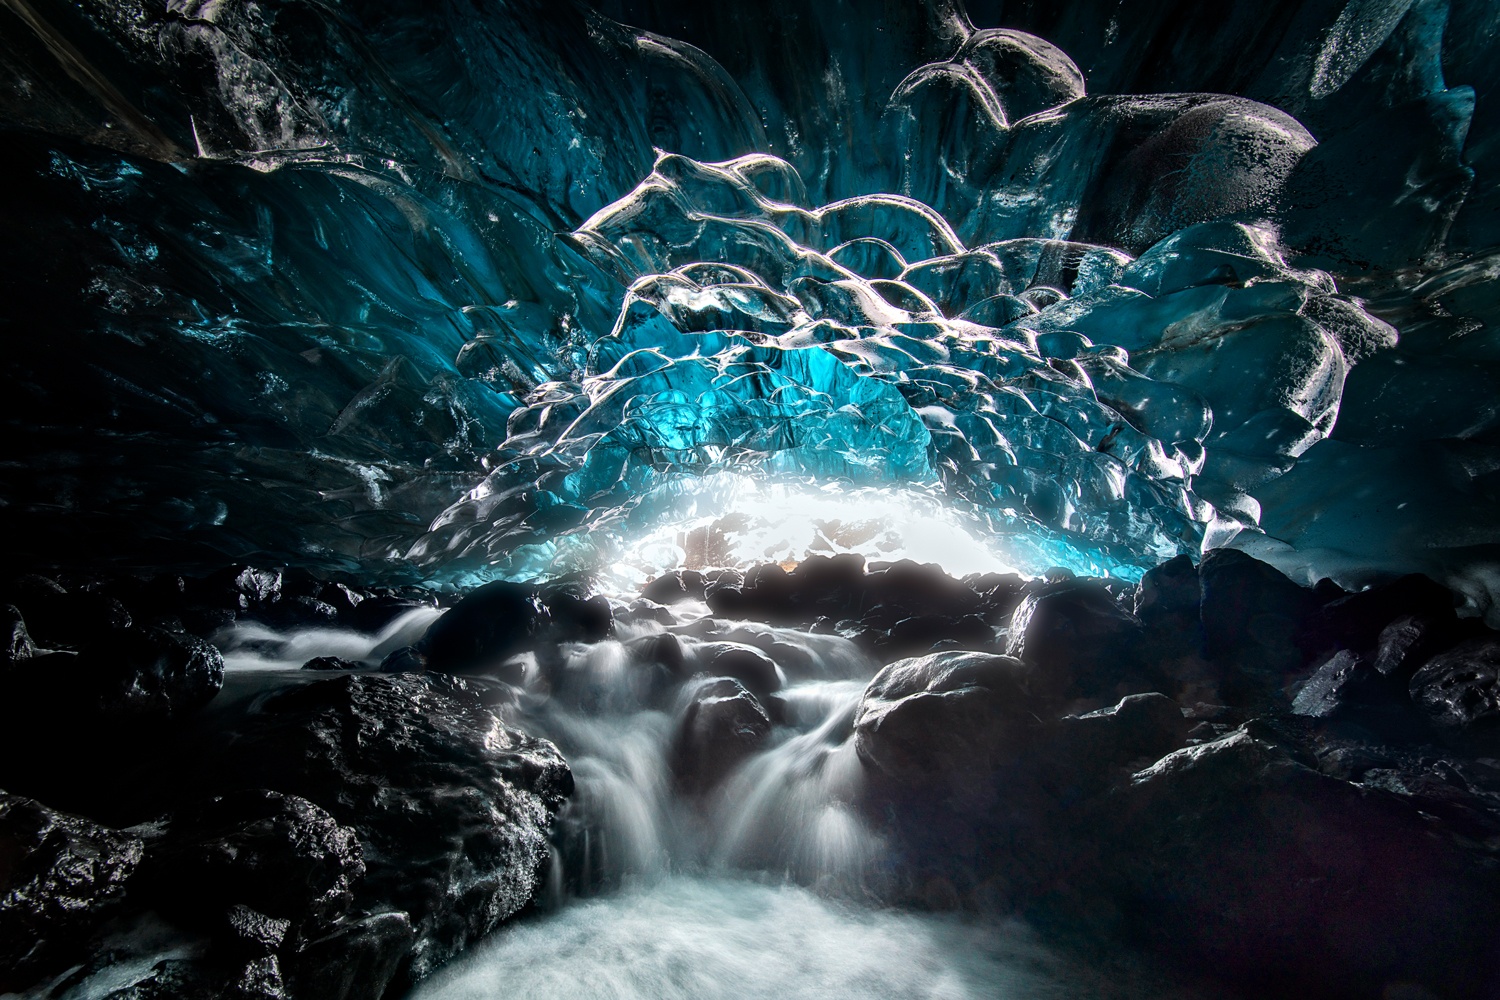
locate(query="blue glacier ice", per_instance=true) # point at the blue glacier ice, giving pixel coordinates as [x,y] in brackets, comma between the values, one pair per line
[450,291]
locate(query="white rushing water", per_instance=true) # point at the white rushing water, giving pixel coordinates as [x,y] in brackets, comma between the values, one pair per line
[757,889]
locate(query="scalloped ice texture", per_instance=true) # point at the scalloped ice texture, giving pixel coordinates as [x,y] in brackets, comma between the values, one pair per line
[1077,406]
[411,290]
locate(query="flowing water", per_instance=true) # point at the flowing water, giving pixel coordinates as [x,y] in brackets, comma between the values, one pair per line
[763,888]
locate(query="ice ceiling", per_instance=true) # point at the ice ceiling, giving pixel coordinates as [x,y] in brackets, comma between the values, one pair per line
[448,290]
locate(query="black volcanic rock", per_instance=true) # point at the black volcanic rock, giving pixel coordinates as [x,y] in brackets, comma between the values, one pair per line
[1233,857]
[721,727]
[279,855]
[1460,689]
[488,625]
[452,809]
[146,673]
[1080,642]
[15,641]
[61,876]
[1356,621]
[1252,616]
[745,663]
[946,719]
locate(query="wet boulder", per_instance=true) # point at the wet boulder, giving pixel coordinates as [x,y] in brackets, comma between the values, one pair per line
[330,663]
[1459,690]
[1234,858]
[1080,642]
[451,807]
[490,624]
[721,726]
[1348,687]
[948,719]
[746,664]
[146,673]
[278,855]
[675,587]
[61,876]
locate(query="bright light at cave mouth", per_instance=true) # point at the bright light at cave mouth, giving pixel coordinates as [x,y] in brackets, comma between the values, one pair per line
[754,521]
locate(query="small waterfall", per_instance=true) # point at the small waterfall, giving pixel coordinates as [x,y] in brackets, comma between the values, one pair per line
[791,809]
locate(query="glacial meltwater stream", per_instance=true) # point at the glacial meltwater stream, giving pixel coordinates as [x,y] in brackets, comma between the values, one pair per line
[762,887]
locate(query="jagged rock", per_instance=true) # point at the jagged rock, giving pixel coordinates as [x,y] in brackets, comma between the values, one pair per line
[1137,727]
[15,641]
[147,673]
[280,855]
[577,619]
[61,876]
[1460,689]
[1411,640]
[488,625]
[252,932]
[721,726]
[403,660]
[1080,642]
[58,618]
[173,980]
[1348,685]
[451,807]
[1233,858]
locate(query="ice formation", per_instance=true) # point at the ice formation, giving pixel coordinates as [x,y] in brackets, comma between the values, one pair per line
[449,292]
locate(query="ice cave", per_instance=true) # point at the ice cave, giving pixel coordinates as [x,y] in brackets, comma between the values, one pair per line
[811,499]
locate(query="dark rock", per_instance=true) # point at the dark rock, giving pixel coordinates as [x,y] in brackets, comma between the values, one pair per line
[914,636]
[998,594]
[1251,615]
[403,660]
[280,855]
[245,588]
[1080,642]
[1138,727]
[252,933]
[1235,859]
[331,663]
[1169,592]
[173,980]
[1355,621]
[948,719]
[644,610]
[147,673]
[920,589]
[452,808]
[677,586]
[15,641]
[358,960]
[1410,641]
[663,648]
[575,619]
[62,619]
[1460,689]
[60,877]
[722,726]
[487,626]
[258,979]
[744,663]
[828,586]
[1348,686]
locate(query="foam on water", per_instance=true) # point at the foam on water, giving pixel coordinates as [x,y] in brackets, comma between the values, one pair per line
[725,938]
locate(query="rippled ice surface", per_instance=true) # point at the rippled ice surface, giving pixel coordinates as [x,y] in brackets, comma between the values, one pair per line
[731,938]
